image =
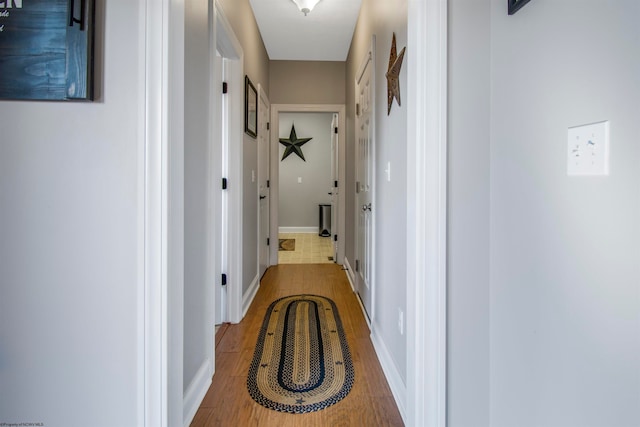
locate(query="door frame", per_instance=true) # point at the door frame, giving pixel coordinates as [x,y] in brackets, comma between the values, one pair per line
[276,109]
[262,95]
[427,220]
[161,220]
[229,46]
[160,304]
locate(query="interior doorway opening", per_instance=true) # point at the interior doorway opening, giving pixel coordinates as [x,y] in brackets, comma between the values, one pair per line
[294,178]
[306,202]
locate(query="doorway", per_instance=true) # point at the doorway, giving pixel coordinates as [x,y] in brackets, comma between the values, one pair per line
[305,231]
[337,232]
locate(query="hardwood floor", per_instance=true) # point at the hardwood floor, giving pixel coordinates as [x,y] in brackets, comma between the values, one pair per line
[227,403]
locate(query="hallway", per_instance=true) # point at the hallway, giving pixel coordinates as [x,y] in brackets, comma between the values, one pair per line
[370,402]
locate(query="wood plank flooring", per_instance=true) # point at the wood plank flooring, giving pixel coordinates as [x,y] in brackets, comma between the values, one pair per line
[227,403]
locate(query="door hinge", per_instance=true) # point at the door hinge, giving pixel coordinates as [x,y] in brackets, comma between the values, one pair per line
[357,265]
[357,186]
[224,280]
[224,183]
[268,126]
[268,242]
[335,184]
[335,130]
[268,183]
[357,109]
[225,87]
[335,237]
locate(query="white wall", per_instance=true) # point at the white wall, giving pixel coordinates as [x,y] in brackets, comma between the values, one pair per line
[565,251]
[69,245]
[298,204]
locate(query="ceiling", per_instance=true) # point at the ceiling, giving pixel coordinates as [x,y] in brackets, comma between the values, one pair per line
[323,35]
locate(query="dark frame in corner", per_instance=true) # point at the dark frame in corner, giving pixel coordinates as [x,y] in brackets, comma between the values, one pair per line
[250,108]
[515,5]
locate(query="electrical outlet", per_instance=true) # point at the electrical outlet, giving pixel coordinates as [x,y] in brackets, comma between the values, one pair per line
[588,149]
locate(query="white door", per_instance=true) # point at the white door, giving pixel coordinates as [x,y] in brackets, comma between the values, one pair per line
[264,136]
[334,184]
[365,157]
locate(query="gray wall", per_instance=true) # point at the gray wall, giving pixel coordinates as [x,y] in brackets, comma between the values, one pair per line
[383,19]
[307,82]
[196,189]
[69,246]
[565,251]
[298,204]
[559,303]
[256,66]
[468,220]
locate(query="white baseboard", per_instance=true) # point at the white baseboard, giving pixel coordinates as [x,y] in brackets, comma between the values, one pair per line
[350,274]
[195,393]
[248,297]
[398,388]
[298,230]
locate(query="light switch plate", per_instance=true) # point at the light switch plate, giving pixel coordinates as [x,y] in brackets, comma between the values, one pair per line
[588,149]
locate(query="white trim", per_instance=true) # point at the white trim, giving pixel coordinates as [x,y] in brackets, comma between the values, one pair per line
[276,109]
[391,373]
[195,392]
[262,97]
[248,297]
[427,221]
[304,230]
[231,50]
[349,272]
[154,311]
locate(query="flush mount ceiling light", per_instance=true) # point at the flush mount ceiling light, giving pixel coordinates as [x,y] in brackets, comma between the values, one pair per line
[306,6]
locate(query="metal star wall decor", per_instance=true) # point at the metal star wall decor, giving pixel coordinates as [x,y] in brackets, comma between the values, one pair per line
[293,144]
[393,75]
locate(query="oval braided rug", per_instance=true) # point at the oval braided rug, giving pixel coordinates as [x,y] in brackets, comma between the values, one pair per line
[302,361]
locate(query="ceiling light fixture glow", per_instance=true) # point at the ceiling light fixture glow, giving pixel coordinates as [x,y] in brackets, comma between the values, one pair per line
[306,6]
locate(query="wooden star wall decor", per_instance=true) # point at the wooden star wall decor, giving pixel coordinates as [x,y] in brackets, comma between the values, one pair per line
[293,144]
[393,75]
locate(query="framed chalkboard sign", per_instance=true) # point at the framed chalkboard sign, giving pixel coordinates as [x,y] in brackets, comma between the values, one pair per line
[46,49]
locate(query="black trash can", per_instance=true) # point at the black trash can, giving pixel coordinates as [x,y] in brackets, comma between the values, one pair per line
[324,229]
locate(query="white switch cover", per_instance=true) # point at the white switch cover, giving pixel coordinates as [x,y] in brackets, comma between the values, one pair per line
[588,149]
[388,171]
[253,176]
[299,180]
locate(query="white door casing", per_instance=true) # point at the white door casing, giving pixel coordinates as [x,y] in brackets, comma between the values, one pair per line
[263,141]
[365,182]
[426,231]
[276,109]
[233,120]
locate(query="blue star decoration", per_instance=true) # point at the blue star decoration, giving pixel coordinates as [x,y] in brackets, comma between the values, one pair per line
[293,144]
[300,401]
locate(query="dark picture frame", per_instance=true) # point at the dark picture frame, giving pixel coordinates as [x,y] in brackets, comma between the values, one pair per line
[515,5]
[250,108]
[47,50]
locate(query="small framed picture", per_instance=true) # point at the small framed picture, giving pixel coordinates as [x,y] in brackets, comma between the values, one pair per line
[250,108]
[515,5]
